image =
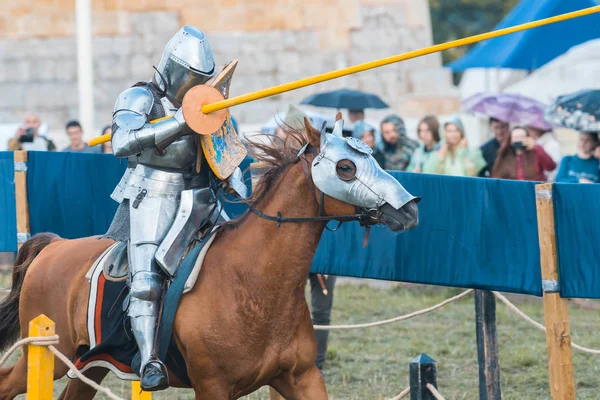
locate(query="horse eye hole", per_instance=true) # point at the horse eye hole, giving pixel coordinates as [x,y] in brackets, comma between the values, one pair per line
[346,170]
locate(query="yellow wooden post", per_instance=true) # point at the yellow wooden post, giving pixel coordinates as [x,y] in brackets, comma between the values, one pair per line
[20,158]
[137,393]
[556,309]
[40,361]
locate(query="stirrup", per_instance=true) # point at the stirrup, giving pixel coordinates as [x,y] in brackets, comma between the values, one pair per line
[154,376]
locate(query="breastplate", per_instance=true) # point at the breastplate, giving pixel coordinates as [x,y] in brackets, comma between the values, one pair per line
[179,155]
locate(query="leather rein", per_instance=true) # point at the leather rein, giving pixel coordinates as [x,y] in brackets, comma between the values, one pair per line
[364,218]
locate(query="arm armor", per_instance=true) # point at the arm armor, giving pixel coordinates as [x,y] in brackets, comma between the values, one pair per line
[132,133]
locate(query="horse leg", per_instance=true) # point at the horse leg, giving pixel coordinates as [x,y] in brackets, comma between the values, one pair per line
[13,380]
[307,386]
[76,389]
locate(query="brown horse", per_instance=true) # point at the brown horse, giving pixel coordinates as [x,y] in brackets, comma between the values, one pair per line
[244,325]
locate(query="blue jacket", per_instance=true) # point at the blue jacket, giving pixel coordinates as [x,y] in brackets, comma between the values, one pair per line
[572,168]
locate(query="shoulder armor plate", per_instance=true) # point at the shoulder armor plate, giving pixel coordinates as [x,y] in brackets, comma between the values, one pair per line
[137,99]
[132,107]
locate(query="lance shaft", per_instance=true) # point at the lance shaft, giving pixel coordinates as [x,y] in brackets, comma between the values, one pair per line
[286,87]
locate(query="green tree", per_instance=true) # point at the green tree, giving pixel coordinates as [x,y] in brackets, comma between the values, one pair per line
[456,19]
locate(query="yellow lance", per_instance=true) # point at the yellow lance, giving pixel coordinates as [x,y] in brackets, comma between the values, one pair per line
[203,105]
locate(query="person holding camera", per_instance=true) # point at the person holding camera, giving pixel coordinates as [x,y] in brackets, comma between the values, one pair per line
[520,158]
[28,137]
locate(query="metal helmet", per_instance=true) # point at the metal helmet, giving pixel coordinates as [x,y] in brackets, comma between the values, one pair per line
[187,61]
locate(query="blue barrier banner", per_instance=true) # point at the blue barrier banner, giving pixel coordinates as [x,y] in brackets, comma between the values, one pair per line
[479,233]
[576,209]
[69,192]
[8,211]
[473,232]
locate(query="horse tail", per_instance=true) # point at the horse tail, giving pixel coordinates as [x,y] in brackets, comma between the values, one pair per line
[9,307]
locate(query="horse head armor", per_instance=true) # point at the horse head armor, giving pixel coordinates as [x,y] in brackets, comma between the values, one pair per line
[346,170]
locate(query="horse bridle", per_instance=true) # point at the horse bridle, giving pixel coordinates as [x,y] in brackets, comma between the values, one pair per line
[365,218]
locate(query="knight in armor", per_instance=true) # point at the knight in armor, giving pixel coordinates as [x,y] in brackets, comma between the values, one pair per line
[162,157]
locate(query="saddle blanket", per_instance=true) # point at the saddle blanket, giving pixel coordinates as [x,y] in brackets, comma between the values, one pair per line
[112,345]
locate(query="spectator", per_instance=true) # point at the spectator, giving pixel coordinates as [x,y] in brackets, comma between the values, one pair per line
[397,147]
[521,159]
[429,133]
[77,145]
[356,115]
[366,133]
[107,146]
[28,136]
[551,146]
[583,166]
[454,157]
[321,305]
[500,130]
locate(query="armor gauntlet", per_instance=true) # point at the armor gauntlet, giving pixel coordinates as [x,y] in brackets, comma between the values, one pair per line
[132,133]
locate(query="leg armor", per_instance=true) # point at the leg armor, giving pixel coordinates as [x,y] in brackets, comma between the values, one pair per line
[152,212]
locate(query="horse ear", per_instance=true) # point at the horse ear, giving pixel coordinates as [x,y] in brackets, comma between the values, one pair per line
[314,136]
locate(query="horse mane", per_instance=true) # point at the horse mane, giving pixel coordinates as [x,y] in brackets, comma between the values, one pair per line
[276,155]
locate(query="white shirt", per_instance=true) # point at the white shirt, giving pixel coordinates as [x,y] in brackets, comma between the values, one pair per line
[38,144]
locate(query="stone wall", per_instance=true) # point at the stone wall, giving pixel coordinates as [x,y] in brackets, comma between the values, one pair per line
[275,41]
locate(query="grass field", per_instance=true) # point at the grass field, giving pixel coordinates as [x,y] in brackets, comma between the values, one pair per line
[373,363]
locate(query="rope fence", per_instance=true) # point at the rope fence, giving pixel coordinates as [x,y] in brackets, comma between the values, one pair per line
[508,303]
[50,341]
[434,392]
[396,319]
[541,327]
[402,394]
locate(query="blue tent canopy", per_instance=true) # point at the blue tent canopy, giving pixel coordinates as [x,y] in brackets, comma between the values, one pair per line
[535,47]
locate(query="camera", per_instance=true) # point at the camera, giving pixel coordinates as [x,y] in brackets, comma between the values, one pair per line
[518,145]
[28,136]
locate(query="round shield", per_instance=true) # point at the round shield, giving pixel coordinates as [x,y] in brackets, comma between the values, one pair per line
[195,98]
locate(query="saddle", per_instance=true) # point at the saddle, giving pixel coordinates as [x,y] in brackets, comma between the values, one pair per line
[112,345]
[115,266]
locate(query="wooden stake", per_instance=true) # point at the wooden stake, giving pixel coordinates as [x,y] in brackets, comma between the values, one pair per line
[487,345]
[23,229]
[556,310]
[422,371]
[40,361]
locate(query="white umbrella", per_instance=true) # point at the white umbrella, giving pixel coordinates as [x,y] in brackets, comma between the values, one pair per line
[276,121]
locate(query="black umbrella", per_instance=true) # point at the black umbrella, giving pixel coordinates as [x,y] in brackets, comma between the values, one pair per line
[345,98]
[579,111]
